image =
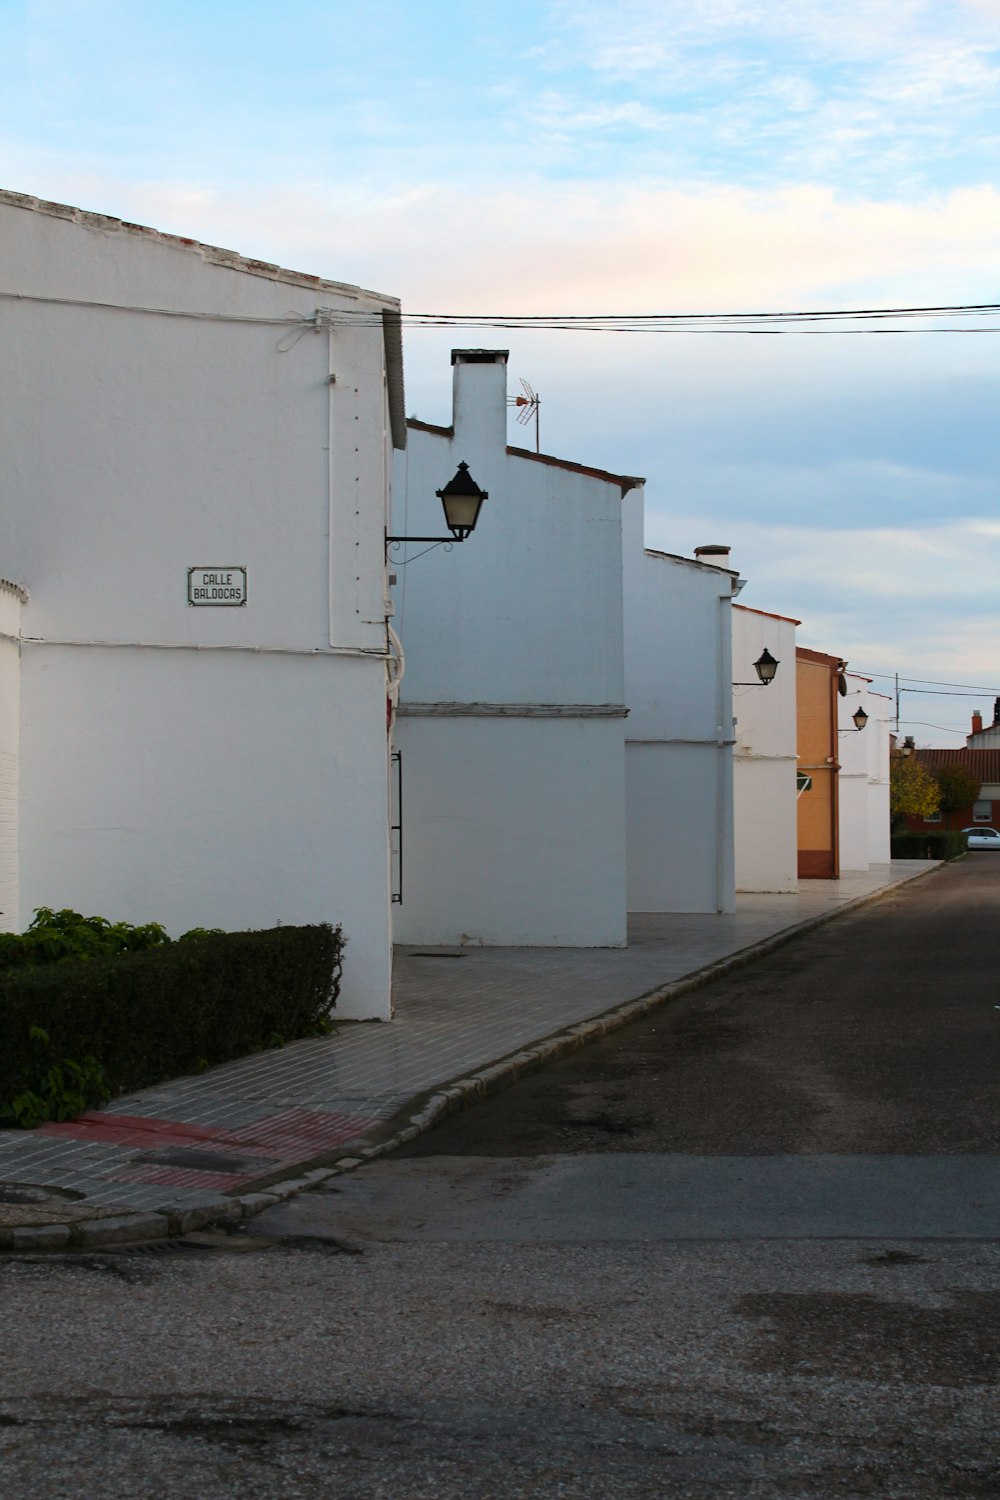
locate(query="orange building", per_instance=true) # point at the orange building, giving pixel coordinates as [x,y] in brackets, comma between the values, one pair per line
[817,677]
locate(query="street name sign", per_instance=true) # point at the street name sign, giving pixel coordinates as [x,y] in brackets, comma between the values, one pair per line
[221,587]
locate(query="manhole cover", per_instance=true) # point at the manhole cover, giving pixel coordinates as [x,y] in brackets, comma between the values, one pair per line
[28,1192]
[207,1161]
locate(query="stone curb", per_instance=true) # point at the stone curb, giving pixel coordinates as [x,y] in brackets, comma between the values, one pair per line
[138,1227]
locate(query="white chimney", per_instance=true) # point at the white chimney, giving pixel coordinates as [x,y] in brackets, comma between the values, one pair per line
[479,402]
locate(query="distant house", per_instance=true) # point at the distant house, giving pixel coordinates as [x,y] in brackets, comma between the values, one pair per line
[765,762]
[987,738]
[984,764]
[510,721]
[193,646]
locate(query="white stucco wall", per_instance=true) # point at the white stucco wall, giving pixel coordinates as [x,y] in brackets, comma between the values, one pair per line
[765,757]
[196,765]
[509,827]
[880,707]
[864,776]
[10,737]
[853,814]
[513,826]
[679,780]
[216,791]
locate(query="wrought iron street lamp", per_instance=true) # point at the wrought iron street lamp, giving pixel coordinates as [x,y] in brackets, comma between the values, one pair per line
[859,718]
[765,666]
[462,500]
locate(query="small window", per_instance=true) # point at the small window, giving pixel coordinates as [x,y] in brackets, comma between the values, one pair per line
[932,818]
[982,812]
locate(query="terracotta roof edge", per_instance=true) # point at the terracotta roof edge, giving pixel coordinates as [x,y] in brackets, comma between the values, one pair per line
[691,562]
[419,426]
[625,482]
[822,658]
[767,613]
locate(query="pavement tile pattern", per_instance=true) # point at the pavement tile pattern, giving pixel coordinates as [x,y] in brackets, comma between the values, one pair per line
[179,1145]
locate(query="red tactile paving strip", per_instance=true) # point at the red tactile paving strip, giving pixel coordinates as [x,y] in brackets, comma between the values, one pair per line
[181,1177]
[295,1135]
[130,1130]
[298,1133]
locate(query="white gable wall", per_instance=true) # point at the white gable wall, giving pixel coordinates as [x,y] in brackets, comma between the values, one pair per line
[765,759]
[679,736]
[879,728]
[209,766]
[864,776]
[10,742]
[511,724]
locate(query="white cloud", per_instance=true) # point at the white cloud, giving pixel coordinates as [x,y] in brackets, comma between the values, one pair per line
[539,247]
[880,89]
[917,601]
[645,35]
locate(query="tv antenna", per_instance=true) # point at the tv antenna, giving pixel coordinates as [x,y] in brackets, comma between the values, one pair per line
[527,403]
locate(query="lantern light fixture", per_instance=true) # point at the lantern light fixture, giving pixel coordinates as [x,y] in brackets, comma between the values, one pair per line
[462,501]
[765,666]
[860,719]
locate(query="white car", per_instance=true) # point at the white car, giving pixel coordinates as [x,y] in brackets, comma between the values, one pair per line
[982,838]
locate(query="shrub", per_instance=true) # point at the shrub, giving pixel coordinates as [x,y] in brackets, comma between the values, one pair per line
[55,936]
[108,1025]
[944,845]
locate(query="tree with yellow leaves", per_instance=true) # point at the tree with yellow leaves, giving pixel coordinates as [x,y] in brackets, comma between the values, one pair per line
[913,791]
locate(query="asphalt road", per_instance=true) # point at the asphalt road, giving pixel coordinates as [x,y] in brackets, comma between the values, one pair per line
[748,1247]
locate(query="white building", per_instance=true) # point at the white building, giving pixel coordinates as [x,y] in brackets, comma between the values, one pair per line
[510,725]
[193,664]
[679,753]
[766,756]
[863,791]
[988,737]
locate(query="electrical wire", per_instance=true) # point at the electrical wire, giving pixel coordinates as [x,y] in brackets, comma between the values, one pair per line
[948,693]
[922,724]
[728,322]
[308,322]
[814,321]
[928,682]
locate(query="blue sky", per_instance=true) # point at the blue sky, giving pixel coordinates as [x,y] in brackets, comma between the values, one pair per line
[652,155]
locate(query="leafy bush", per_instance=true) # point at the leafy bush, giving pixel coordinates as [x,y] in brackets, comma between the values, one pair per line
[56,936]
[61,1091]
[957,787]
[944,845]
[913,791]
[79,1030]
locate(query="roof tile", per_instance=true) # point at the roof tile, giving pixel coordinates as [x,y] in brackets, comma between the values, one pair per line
[984,763]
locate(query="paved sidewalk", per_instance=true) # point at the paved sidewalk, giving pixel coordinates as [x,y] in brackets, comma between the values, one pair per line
[229,1142]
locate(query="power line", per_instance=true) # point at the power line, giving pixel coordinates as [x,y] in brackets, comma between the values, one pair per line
[812,321]
[927,682]
[922,724]
[947,693]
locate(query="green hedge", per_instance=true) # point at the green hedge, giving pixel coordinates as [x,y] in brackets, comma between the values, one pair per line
[76,1033]
[944,845]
